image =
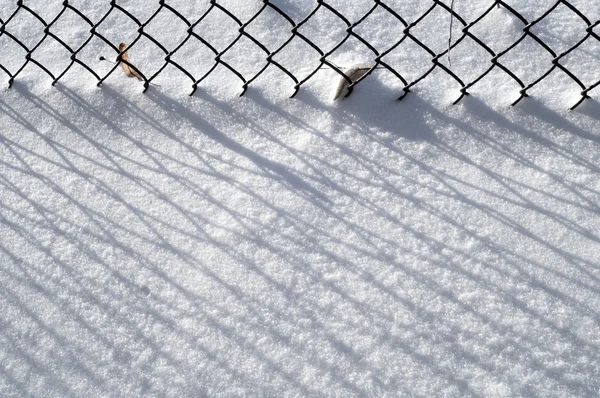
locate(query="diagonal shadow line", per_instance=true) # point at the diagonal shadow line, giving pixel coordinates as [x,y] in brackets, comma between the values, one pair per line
[166,243]
[498,178]
[551,291]
[441,178]
[565,298]
[275,169]
[229,332]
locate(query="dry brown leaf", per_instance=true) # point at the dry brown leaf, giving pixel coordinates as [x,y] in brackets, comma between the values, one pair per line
[129,72]
[354,73]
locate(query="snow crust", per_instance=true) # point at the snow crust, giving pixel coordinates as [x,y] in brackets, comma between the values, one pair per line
[164,245]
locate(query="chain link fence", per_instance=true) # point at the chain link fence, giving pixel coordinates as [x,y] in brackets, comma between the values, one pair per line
[236,30]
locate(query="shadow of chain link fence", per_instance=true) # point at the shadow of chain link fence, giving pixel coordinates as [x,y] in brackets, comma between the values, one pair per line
[269,54]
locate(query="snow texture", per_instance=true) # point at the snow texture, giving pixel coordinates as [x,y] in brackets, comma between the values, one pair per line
[164,245]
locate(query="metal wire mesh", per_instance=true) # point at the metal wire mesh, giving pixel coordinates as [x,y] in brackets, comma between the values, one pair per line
[379,55]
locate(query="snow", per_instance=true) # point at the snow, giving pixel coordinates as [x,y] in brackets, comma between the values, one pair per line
[155,244]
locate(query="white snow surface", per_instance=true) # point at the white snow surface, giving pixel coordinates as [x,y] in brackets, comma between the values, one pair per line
[164,245]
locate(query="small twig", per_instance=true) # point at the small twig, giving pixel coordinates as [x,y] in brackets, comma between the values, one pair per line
[101,58]
[450,35]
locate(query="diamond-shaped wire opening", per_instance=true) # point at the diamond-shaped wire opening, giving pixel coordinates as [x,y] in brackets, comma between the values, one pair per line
[8,47]
[500,29]
[318,11]
[378,27]
[298,57]
[220,38]
[434,29]
[561,29]
[117,28]
[465,48]
[409,59]
[468,59]
[584,61]
[12,56]
[34,43]
[559,82]
[497,87]
[246,57]
[557,86]
[353,47]
[195,57]
[201,29]
[270,28]
[270,19]
[90,55]
[26,28]
[71,29]
[167,28]
[178,46]
[324,29]
[168,41]
[539,60]
[52,55]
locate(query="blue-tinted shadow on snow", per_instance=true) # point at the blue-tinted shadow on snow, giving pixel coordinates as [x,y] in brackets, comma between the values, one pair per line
[107,298]
[372,108]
